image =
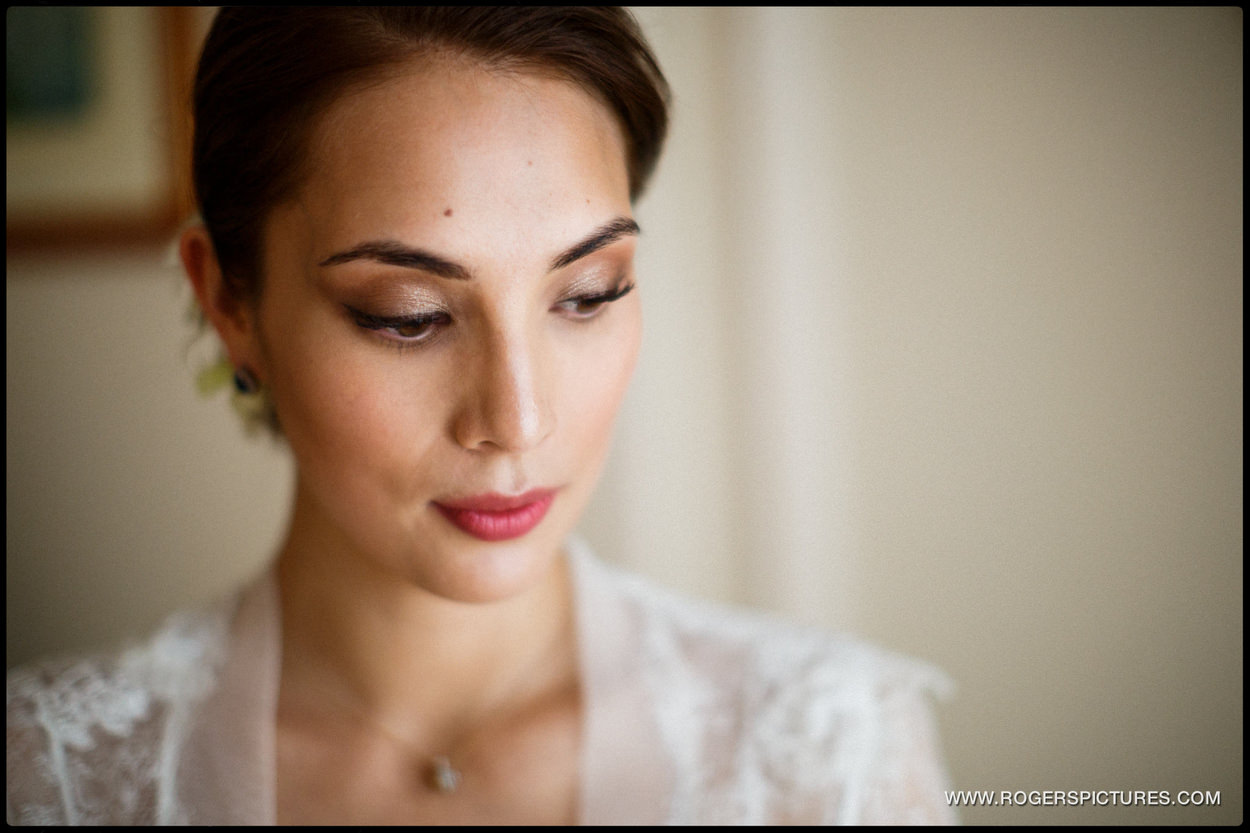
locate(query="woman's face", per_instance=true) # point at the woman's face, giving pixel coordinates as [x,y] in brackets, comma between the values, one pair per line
[445,326]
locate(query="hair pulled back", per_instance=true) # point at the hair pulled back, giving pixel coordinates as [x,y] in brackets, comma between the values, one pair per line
[266,74]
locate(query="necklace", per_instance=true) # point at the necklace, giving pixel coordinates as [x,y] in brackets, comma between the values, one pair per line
[439,773]
[443,776]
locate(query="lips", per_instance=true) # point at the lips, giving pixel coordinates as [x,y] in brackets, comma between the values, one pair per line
[494,517]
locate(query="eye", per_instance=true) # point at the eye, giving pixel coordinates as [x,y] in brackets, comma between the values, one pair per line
[402,331]
[588,306]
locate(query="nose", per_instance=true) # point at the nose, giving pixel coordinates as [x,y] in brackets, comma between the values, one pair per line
[505,403]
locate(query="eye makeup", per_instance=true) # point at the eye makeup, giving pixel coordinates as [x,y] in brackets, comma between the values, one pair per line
[589,305]
[401,330]
[420,316]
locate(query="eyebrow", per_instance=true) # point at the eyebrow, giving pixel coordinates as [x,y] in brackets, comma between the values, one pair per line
[394,253]
[608,233]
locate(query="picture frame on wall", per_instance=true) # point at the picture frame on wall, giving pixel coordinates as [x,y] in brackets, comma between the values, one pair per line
[97,125]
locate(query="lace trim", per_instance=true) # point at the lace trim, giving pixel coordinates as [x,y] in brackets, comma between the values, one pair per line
[90,739]
[771,723]
[755,721]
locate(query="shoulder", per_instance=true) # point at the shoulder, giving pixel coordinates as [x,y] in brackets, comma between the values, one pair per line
[775,722]
[110,690]
[762,653]
[76,721]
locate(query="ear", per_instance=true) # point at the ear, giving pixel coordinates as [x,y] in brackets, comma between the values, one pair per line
[233,319]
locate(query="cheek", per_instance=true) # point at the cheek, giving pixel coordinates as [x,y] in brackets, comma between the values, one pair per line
[364,419]
[349,413]
[597,384]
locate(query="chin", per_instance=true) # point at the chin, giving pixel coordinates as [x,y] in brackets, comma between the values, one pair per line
[479,572]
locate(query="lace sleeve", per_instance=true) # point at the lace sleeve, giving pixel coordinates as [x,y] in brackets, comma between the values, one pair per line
[707,715]
[32,794]
[91,740]
[769,725]
[82,743]
[850,738]
[911,777]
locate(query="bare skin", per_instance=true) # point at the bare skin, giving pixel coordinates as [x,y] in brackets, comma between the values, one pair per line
[404,637]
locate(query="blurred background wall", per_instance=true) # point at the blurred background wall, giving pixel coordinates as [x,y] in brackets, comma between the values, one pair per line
[943,346]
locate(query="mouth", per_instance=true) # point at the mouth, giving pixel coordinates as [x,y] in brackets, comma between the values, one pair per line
[495,517]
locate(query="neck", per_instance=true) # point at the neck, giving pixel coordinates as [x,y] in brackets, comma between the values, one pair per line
[361,638]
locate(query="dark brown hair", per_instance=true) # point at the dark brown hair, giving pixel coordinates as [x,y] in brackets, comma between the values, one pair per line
[267,74]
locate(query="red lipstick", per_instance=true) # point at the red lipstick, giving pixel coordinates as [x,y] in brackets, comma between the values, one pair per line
[494,517]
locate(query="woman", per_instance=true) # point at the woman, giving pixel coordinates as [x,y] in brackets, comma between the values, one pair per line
[417,251]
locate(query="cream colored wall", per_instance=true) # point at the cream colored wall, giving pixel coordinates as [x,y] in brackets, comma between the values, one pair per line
[944,346]
[128,495]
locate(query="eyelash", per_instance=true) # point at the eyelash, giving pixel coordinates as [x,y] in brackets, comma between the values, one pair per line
[381,324]
[428,324]
[597,302]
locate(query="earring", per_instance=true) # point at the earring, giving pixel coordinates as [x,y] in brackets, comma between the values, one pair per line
[245,381]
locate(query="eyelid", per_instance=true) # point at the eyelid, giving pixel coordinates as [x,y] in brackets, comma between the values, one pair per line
[607,296]
[379,324]
[597,277]
[393,320]
[598,299]
[405,297]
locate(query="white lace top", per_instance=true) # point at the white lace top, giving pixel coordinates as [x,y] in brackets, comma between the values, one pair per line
[695,714]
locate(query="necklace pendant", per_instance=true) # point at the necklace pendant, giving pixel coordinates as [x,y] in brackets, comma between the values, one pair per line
[444,776]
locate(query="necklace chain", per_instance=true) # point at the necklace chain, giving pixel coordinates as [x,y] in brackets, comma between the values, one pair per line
[439,774]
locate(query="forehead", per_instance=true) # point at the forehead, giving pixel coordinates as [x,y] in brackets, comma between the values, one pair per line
[492,148]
